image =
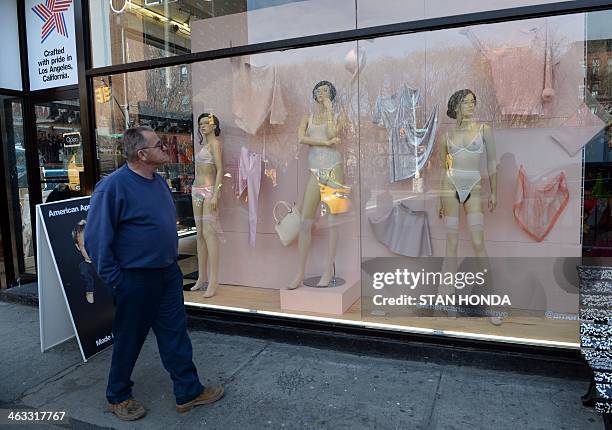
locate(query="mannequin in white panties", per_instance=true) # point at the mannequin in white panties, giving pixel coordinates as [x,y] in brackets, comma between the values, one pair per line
[205,197]
[460,182]
[320,132]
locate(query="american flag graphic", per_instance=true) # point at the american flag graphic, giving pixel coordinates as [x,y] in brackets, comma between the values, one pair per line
[51,12]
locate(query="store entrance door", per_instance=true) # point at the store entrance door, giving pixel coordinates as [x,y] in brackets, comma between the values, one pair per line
[60,149]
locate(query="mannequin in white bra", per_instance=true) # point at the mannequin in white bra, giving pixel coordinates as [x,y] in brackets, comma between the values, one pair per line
[460,182]
[205,197]
[319,131]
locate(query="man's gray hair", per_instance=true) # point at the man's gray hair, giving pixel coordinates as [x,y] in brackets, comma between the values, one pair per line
[133,140]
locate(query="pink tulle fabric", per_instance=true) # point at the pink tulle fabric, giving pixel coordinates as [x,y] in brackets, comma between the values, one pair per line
[256,95]
[249,178]
[522,70]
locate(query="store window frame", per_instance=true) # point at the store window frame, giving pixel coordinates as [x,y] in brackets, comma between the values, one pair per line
[29,100]
[7,236]
[440,23]
[429,24]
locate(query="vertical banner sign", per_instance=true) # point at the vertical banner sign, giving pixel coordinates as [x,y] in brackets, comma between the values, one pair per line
[73,300]
[51,43]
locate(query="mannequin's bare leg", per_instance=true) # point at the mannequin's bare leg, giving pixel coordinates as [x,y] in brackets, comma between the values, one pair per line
[331,254]
[201,246]
[473,211]
[327,275]
[451,205]
[312,198]
[474,206]
[451,213]
[212,244]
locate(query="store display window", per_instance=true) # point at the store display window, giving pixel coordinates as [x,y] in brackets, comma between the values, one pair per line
[445,182]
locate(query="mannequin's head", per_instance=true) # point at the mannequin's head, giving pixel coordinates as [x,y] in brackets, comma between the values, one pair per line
[461,104]
[323,90]
[208,123]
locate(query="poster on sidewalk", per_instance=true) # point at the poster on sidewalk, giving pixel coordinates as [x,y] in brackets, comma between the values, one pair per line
[73,300]
[52,55]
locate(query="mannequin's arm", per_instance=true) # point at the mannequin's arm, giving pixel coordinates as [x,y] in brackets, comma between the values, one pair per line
[443,175]
[491,157]
[491,164]
[443,156]
[216,147]
[305,140]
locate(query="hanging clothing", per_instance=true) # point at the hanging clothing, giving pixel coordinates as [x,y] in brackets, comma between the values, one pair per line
[578,130]
[404,231]
[249,178]
[522,71]
[539,204]
[463,170]
[409,147]
[256,94]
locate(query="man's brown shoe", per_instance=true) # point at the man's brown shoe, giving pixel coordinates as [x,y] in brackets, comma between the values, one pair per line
[128,410]
[209,395]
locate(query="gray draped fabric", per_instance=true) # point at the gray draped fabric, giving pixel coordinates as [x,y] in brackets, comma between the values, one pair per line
[404,231]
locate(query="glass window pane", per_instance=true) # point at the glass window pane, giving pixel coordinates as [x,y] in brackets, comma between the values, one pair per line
[380,12]
[598,152]
[288,137]
[491,190]
[160,99]
[10,77]
[60,149]
[17,179]
[136,30]
[444,158]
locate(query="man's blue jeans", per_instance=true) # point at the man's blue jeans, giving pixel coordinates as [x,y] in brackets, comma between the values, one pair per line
[151,298]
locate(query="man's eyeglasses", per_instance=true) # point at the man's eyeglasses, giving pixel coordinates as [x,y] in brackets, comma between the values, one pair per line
[159,145]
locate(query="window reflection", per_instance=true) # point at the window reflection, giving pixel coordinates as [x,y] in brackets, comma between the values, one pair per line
[136,30]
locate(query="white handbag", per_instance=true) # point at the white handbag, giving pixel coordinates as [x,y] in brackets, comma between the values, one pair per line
[288,227]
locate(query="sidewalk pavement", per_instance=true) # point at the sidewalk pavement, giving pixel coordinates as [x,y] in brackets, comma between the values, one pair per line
[272,385]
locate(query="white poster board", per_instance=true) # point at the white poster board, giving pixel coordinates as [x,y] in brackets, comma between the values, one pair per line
[72,299]
[52,57]
[56,325]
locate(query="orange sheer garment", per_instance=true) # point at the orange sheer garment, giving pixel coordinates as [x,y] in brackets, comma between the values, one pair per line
[539,203]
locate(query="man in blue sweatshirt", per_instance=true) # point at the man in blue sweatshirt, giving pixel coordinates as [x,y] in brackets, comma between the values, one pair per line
[131,238]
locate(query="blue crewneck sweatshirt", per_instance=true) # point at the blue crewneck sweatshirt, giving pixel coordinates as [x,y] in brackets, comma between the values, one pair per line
[131,224]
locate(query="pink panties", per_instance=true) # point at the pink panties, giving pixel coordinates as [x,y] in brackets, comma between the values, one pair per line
[538,204]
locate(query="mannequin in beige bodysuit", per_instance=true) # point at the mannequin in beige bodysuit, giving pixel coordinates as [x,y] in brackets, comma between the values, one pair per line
[460,182]
[319,131]
[205,198]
